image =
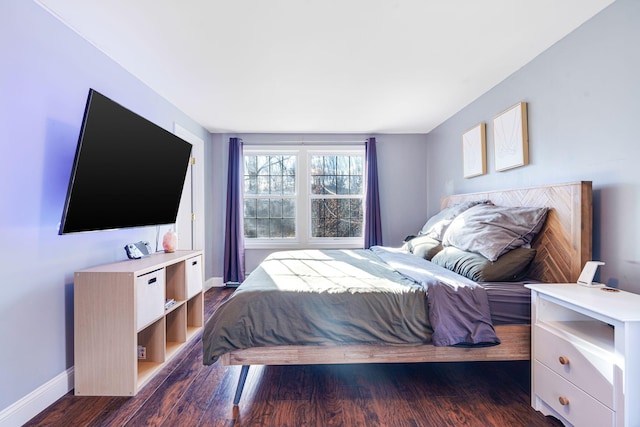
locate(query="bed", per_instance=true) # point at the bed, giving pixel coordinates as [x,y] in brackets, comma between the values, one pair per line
[561,247]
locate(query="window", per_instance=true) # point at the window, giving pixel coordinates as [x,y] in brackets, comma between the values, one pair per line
[336,195]
[303,196]
[270,196]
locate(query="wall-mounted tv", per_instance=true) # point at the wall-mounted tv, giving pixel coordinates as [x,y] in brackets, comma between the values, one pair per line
[127,172]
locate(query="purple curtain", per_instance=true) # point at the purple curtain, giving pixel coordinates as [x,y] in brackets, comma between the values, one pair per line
[372,224]
[234,235]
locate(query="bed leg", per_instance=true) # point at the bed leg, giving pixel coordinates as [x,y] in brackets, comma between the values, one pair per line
[241,380]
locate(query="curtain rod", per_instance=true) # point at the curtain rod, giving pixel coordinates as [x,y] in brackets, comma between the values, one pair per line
[359,141]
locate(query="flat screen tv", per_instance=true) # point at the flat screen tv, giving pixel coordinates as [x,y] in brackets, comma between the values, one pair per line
[127,172]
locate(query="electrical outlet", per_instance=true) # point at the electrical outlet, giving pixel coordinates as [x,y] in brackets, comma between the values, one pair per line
[142,352]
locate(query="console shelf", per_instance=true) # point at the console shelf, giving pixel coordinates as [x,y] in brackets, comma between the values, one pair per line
[120,307]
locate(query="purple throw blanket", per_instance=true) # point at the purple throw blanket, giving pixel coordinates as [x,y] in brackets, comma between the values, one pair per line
[458,307]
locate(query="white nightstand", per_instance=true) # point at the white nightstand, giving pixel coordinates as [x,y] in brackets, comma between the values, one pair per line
[585,355]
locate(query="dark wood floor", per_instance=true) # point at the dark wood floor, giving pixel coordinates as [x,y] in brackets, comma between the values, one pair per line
[187,393]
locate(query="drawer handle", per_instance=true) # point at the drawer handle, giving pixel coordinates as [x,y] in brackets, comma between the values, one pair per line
[152,280]
[563,400]
[563,360]
[194,263]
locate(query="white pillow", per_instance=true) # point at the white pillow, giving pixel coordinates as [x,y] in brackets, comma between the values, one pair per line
[494,230]
[437,225]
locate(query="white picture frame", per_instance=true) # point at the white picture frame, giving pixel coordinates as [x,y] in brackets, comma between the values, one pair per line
[510,138]
[474,151]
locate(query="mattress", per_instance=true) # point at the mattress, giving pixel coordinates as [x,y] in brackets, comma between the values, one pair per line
[315,298]
[320,297]
[510,302]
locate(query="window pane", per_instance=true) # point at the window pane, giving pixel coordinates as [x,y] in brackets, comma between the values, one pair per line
[355,184]
[288,185]
[344,229]
[275,228]
[356,228]
[343,208]
[288,208]
[316,165]
[330,228]
[275,165]
[356,164]
[263,208]
[315,208]
[262,165]
[262,228]
[250,165]
[262,184]
[342,165]
[356,208]
[342,184]
[329,165]
[289,165]
[329,185]
[270,175]
[276,185]
[269,218]
[275,208]
[288,228]
[316,184]
[336,217]
[250,227]
[250,185]
[250,208]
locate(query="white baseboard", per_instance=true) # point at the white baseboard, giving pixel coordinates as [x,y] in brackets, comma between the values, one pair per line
[213,282]
[37,401]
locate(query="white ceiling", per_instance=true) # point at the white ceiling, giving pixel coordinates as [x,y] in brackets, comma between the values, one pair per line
[322,66]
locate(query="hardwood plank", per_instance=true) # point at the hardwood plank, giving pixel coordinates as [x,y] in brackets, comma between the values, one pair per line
[82,409]
[294,413]
[358,407]
[221,410]
[262,383]
[117,405]
[295,384]
[325,399]
[160,404]
[197,398]
[391,406]
[317,403]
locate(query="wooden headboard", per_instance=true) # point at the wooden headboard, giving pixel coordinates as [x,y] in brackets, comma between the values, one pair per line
[564,243]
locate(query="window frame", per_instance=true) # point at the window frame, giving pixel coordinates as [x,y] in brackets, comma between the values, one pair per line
[303,196]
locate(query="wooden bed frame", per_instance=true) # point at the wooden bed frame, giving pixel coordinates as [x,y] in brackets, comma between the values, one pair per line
[563,246]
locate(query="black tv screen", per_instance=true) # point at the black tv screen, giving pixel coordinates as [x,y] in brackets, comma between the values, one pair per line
[127,172]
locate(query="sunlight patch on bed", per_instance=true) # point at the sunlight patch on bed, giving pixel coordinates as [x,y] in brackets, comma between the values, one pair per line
[334,272]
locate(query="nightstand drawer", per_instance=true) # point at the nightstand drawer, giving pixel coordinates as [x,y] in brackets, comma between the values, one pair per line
[589,371]
[579,408]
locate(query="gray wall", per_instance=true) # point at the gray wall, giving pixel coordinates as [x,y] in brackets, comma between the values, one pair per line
[46,73]
[402,181]
[583,98]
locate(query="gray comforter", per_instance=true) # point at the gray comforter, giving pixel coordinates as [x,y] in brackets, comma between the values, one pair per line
[320,297]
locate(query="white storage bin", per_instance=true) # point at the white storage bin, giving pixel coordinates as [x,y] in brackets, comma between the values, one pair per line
[194,275]
[150,291]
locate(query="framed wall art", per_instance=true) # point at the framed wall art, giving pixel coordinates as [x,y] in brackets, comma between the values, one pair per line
[474,151]
[511,142]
